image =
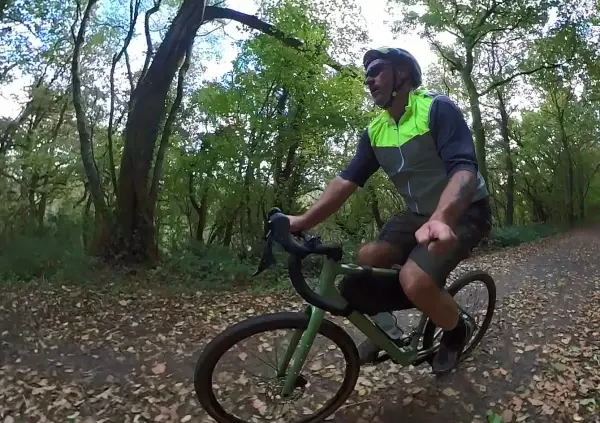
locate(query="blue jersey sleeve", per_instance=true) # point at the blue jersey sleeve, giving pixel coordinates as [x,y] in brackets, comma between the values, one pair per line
[452,136]
[364,163]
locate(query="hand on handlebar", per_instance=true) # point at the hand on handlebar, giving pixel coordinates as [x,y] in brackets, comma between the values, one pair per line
[297,224]
[283,230]
[437,236]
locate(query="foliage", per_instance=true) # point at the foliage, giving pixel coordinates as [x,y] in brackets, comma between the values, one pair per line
[276,127]
[514,235]
[52,253]
[126,144]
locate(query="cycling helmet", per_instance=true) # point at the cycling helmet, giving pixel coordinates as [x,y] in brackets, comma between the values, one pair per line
[397,56]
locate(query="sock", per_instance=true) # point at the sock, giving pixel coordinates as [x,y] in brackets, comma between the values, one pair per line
[454,336]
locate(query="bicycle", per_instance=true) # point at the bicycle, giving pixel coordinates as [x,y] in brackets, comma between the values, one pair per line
[310,322]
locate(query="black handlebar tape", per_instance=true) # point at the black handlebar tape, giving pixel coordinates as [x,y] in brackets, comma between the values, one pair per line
[299,283]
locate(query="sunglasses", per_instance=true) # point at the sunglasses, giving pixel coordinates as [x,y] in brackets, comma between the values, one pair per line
[375,70]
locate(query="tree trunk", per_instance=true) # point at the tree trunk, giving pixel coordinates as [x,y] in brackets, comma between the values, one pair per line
[100,239]
[539,211]
[135,210]
[136,234]
[564,139]
[510,172]
[201,209]
[285,188]
[115,60]
[202,212]
[477,124]
[229,230]
[168,129]
[580,194]
[41,208]
[570,196]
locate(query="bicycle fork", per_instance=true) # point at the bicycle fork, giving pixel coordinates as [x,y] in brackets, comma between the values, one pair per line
[303,339]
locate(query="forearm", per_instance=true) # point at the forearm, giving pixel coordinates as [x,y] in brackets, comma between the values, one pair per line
[456,198]
[330,201]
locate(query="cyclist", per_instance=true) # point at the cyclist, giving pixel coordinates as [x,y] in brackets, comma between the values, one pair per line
[422,141]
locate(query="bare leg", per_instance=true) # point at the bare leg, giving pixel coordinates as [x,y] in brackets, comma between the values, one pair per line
[441,308]
[419,287]
[381,255]
[423,291]
[378,254]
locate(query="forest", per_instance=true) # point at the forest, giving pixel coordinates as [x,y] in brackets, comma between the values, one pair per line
[121,150]
[143,142]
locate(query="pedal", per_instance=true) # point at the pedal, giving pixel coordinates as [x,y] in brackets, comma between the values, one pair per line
[382,358]
[420,360]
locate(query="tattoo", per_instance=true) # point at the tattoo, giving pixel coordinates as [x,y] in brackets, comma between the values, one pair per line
[456,198]
[466,188]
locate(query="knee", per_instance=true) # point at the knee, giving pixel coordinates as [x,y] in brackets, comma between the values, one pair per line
[367,254]
[416,284]
[376,255]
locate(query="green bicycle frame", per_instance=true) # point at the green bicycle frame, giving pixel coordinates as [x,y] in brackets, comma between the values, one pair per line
[303,339]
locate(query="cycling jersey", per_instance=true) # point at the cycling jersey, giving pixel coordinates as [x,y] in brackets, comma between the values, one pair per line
[429,144]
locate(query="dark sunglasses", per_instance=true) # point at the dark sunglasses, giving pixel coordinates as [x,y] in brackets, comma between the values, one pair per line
[375,70]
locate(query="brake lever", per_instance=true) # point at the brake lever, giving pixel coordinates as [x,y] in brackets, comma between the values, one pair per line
[267,258]
[312,242]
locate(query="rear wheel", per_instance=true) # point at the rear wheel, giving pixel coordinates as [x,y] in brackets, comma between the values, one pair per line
[209,383]
[432,334]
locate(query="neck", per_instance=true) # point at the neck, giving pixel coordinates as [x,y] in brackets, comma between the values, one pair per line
[396,110]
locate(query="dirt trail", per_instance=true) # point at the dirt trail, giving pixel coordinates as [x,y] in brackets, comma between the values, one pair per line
[69,354]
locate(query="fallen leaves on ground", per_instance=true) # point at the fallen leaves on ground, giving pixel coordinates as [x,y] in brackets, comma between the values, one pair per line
[75,354]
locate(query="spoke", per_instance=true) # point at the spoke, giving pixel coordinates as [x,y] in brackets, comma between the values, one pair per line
[321,384]
[255,355]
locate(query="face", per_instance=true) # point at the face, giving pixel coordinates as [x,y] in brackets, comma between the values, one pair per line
[379,80]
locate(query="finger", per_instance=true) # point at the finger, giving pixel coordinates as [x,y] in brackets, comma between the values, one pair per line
[438,247]
[433,247]
[422,235]
[427,237]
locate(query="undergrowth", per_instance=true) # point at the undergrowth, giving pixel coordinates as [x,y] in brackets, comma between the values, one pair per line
[55,255]
[510,236]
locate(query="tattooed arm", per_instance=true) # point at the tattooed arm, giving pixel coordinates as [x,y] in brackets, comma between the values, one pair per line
[456,198]
[456,149]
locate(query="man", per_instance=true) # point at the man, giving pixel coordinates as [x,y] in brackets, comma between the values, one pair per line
[422,142]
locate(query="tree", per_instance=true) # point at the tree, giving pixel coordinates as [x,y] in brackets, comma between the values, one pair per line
[471,27]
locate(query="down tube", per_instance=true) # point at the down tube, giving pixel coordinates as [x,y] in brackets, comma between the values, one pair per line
[326,285]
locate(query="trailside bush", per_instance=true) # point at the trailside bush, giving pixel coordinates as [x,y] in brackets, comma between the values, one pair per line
[515,235]
[54,251]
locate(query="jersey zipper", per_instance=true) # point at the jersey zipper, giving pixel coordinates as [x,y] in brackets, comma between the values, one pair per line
[402,165]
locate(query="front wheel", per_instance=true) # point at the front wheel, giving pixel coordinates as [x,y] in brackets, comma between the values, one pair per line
[432,334]
[264,402]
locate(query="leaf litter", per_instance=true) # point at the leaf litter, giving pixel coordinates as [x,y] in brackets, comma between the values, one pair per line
[74,354]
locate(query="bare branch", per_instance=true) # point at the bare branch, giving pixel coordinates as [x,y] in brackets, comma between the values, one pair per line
[213,13]
[505,81]
[6,71]
[149,52]
[129,71]
[134,11]
[444,54]
[166,134]
[85,136]
[487,14]
[591,178]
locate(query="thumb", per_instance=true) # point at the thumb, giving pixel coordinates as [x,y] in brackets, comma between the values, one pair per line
[422,234]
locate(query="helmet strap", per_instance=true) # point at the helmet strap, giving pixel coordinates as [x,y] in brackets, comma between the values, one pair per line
[395,87]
